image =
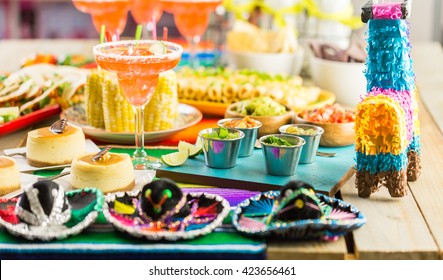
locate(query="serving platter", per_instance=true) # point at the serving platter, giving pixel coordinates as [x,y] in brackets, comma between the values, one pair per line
[218,109]
[24,166]
[29,119]
[327,174]
[188,116]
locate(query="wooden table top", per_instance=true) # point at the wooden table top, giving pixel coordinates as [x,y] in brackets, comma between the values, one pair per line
[402,228]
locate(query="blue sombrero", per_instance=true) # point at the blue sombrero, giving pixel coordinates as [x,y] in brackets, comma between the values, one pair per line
[296,212]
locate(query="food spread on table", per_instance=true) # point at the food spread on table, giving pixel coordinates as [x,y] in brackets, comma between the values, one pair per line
[36,86]
[245,122]
[301,130]
[248,37]
[329,114]
[160,210]
[226,86]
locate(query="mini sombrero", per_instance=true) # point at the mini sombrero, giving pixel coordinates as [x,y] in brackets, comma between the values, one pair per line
[296,212]
[162,211]
[45,212]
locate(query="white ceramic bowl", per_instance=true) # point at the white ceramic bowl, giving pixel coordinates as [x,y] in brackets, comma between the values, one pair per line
[345,79]
[272,63]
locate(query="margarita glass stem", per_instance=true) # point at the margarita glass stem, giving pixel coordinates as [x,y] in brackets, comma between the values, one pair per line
[140,160]
[139,156]
[193,42]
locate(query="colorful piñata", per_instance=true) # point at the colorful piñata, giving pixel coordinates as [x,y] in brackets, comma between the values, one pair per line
[386,126]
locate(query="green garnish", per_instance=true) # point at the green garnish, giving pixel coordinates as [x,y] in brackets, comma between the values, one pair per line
[157,48]
[276,141]
[260,106]
[223,133]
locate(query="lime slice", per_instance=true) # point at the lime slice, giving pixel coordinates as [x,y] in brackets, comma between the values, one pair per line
[175,159]
[199,143]
[157,48]
[189,148]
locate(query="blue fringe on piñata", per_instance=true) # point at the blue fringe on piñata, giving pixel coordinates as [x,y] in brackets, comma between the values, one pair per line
[415,144]
[389,64]
[381,162]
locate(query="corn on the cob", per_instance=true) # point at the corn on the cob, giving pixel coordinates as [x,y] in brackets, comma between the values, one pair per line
[162,111]
[118,113]
[93,95]
[107,108]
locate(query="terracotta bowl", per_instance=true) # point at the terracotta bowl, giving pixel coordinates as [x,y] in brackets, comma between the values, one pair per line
[270,124]
[335,135]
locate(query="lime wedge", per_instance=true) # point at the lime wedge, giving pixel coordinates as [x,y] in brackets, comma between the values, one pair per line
[175,159]
[199,142]
[158,48]
[189,148]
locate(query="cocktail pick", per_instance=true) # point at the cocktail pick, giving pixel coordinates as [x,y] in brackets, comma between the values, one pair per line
[59,126]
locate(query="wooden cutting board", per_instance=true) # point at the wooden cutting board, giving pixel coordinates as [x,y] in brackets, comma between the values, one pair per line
[326,175]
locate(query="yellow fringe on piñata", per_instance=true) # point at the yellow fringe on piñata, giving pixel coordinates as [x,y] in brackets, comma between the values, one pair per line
[380,126]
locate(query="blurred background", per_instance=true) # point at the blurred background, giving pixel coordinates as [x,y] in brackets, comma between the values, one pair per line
[21,19]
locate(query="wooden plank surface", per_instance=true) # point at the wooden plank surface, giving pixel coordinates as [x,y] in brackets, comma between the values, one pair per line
[395,227]
[428,66]
[428,191]
[308,250]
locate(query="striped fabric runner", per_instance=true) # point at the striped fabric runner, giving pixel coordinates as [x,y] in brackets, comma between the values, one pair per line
[102,242]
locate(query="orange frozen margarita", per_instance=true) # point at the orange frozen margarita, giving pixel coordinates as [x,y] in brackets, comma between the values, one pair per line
[138,64]
[191,16]
[137,68]
[110,13]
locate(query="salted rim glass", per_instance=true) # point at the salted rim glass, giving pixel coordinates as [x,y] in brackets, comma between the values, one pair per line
[142,71]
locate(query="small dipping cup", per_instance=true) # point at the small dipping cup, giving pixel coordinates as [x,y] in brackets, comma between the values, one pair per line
[221,153]
[309,150]
[282,160]
[248,142]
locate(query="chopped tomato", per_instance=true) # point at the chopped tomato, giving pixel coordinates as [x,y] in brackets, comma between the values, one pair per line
[329,114]
[40,58]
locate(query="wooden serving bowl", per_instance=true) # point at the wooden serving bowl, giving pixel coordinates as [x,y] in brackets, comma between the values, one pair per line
[335,135]
[270,124]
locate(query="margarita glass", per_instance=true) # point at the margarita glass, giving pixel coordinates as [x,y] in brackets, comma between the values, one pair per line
[191,18]
[148,13]
[138,64]
[110,13]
